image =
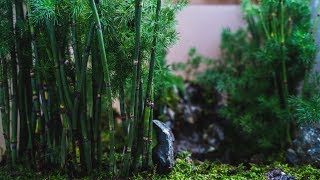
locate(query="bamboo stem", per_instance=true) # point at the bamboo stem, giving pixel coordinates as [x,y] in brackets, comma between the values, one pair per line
[4,107]
[133,113]
[64,118]
[35,93]
[148,104]
[79,93]
[106,76]
[150,131]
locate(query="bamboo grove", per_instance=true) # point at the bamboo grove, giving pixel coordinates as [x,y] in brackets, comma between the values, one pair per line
[64,62]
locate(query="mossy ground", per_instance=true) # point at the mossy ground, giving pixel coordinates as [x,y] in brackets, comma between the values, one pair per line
[184,169]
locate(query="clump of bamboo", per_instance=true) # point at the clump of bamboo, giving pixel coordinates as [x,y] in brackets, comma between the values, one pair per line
[61,66]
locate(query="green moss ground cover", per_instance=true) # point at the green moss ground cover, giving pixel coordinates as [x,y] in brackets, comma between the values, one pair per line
[184,169]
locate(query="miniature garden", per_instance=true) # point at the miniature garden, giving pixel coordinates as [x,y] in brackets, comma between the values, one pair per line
[86,92]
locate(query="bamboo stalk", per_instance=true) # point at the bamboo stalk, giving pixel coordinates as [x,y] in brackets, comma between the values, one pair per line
[133,100]
[35,93]
[97,85]
[79,93]
[138,99]
[106,76]
[150,130]
[148,104]
[64,118]
[123,108]
[23,137]
[14,96]
[284,69]
[4,107]
[77,77]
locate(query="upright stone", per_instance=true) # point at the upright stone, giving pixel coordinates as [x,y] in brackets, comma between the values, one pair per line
[163,153]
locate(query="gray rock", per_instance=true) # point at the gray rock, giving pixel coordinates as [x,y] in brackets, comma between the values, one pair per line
[306,147]
[163,153]
[277,174]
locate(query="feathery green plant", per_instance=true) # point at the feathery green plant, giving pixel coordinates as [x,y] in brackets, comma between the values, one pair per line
[66,62]
[261,66]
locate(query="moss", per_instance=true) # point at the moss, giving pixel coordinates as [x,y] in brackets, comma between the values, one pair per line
[214,170]
[184,169]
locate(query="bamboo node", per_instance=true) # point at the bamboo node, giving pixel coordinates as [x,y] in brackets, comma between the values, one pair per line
[68,133]
[35,97]
[63,62]
[131,116]
[108,85]
[99,27]
[128,150]
[31,73]
[87,50]
[77,94]
[146,139]
[13,144]
[5,135]
[62,109]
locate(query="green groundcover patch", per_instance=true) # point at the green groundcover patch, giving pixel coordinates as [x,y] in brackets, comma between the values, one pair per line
[184,169]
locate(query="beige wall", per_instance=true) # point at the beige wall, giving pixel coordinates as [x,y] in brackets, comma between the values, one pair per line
[200,26]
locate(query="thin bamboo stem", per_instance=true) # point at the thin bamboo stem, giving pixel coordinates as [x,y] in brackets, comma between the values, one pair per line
[4,107]
[64,118]
[150,131]
[106,76]
[80,93]
[35,93]
[148,104]
[14,96]
[133,113]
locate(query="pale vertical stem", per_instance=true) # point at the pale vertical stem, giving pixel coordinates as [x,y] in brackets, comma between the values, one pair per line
[14,97]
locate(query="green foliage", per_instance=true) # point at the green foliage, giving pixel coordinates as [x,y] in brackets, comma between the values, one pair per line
[256,66]
[5,35]
[305,108]
[193,64]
